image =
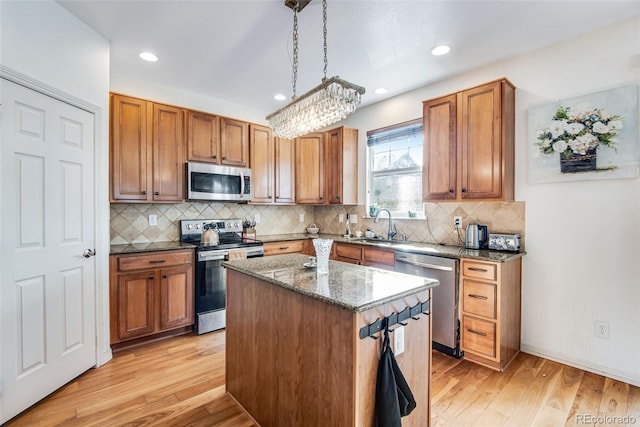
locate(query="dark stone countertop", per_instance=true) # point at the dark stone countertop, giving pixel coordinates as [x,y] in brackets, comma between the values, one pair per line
[148,247]
[348,286]
[412,247]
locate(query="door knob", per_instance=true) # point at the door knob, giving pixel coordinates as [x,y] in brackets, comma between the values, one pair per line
[88,253]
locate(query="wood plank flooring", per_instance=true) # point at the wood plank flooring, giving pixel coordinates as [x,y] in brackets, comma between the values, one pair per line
[180,382]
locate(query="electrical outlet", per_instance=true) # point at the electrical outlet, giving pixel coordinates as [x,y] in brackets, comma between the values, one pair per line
[153,220]
[353,219]
[301,217]
[256,218]
[457,222]
[398,341]
[602,329]
[340,217]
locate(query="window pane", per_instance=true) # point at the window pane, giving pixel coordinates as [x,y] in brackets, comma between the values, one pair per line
[399,154]
[400,193]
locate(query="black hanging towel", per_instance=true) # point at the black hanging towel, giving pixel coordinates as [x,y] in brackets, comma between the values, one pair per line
[394,398]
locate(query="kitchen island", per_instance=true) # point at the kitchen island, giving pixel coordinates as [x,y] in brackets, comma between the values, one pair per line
[294,352]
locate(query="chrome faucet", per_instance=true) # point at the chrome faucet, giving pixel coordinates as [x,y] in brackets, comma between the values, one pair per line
[392,228]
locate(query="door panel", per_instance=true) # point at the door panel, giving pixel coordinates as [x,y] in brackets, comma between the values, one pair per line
[47,290]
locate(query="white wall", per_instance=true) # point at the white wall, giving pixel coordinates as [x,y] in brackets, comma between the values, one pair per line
[583,238]
[51,49]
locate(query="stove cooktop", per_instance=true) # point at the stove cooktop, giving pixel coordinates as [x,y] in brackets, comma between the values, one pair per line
[229,230]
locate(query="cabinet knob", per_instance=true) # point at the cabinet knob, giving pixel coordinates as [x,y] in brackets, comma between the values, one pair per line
[320,198]
[165,276]
[451,190]
[224,158]
[157,193]
[144,193]
[464,190]
[338,197]
[151,277]
[214,157]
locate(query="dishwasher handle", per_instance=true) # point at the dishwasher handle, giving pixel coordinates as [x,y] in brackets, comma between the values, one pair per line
[425,265]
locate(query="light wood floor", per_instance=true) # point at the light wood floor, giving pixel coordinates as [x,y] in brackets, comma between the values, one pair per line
[180,382]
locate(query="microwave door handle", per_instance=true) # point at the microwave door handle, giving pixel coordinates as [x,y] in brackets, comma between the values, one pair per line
[241,184]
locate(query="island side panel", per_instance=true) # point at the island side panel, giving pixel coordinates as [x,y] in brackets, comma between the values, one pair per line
[415,362]
[289,357]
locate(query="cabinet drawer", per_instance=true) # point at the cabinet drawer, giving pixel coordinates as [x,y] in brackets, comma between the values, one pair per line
[479,298]
[348,251]
[376,256]
[287,247]
[157,260]
[479,270]
[479,336]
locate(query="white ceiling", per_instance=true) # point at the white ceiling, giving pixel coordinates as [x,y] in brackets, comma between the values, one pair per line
[240,50]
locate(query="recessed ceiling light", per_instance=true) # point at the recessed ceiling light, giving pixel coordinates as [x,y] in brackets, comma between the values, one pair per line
[380,91]
[148,56]
[279,97]
[440,50]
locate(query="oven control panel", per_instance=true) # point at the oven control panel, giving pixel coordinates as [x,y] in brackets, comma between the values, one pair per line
[194,227]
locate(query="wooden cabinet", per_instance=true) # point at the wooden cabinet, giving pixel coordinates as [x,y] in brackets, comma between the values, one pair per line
[285,247]
[147,151]
[490,303]
[310,161]
[341,166]
[469,149]
[150,294]
[203,137]
[272,167]
[327,171]
[234,142]
[363,255]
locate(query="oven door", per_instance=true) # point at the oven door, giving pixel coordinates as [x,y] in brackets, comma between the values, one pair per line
[210,287]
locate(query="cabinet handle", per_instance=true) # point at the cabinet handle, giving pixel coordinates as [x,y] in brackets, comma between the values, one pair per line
[451,190]
[151,277]
[144,193]
[338,197]
[484,270]
[320,198]
[482,297]
[224,158]
[464,190]
[482,334]
[165,276]
[157,193]
[282,248]
[157,261]
[215,157]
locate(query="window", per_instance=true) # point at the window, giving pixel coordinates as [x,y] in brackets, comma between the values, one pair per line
[394,170]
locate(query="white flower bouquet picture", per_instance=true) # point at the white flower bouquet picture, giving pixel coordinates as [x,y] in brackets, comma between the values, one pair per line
[588,137]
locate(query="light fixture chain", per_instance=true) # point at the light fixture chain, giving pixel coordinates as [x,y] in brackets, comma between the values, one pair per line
[324,33]
[295,49]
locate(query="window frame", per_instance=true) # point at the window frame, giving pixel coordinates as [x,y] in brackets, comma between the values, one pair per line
[370,173]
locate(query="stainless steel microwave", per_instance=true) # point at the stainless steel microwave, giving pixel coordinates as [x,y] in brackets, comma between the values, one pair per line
[207,181]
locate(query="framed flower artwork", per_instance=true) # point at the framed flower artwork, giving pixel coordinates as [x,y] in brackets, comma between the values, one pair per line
[588,137]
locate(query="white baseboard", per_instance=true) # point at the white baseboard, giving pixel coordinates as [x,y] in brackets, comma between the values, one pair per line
[627,377]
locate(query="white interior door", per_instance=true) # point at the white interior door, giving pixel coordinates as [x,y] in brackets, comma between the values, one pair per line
[48,326]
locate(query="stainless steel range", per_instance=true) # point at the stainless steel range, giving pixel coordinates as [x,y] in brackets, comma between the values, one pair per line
[211,277]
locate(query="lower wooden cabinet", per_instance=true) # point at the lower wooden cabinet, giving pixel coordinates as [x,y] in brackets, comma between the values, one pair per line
[284,247]
[490,303]
[150,294]
[363,255]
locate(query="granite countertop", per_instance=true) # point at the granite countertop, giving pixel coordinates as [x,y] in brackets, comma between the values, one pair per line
[348,286]
[413,247]
[148,247]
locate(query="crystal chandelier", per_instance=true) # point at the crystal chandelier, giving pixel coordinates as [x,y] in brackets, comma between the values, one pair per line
[329,102]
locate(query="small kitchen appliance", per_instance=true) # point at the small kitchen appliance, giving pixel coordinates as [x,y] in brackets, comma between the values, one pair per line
[476,236]
[207,181]
[504,242]
[211,277]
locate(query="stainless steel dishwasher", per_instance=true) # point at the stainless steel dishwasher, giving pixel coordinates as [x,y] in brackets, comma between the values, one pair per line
[445,313]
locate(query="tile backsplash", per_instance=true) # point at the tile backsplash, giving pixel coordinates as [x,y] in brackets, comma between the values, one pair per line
[130,222]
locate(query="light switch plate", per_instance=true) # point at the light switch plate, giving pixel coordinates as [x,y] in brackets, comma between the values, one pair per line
[256,218]
[153,220]
[340,217]
[301,217]
[353,218]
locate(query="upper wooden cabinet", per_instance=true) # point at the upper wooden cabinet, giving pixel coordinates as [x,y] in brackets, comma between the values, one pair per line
[341,166]
[285,169]
[147,151]
[262,167]
[234,142]
[327,167]
[310,161]
[218,140]
[469,144]
[203,137]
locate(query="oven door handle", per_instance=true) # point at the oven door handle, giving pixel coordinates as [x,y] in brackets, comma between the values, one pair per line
[217,256]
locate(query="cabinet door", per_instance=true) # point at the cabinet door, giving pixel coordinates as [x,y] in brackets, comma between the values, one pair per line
[129,149]
[284,247]
[333,159]
[480,136]
[310,169]
[176,297]
[261,153]
[135,304]
[203,137]
[285,170]
[439,152]
[234,142]
[168,153]
[341,163]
